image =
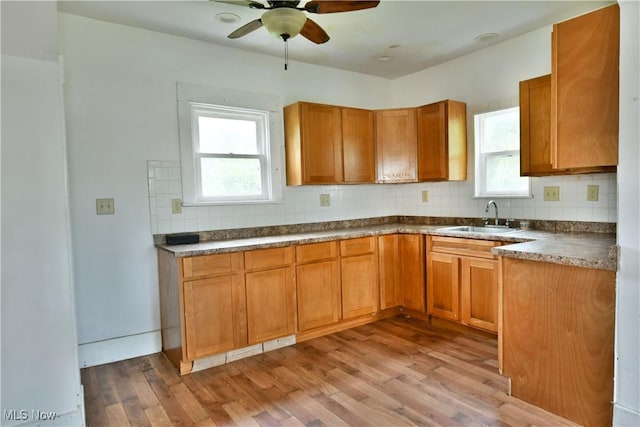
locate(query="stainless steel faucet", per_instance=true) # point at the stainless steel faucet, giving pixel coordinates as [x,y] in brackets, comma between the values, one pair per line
[491,202]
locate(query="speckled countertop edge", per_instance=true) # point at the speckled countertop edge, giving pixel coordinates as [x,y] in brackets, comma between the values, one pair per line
[582,249]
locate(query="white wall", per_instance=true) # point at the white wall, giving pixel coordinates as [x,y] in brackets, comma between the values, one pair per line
[121,108]
[39,345]
[120,102]
[627,377]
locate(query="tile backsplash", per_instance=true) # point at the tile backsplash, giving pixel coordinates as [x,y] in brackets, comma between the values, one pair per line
[449,199]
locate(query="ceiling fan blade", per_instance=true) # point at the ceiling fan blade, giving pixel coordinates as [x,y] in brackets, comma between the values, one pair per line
[314,32]
[333,6]
[246,29]
[249,3]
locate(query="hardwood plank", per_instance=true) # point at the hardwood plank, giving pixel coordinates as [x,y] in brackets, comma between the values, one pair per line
[397,371]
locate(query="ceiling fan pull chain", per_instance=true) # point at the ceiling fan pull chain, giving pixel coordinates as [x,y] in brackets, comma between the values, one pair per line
[286,55]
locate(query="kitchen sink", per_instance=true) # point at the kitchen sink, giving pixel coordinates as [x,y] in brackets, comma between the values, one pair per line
[486,229]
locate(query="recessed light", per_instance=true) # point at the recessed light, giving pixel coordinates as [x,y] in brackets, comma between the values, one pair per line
[485,37]
[227,18]
[384,58]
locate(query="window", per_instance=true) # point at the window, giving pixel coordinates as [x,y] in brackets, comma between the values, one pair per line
[229,154]
[497,153]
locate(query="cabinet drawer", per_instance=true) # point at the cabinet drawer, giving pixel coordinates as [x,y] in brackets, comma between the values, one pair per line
[316,251]
[364,245]
[461,246]
[206,265]
[268,258]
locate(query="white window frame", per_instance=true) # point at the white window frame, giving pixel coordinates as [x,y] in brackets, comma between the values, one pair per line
[265,110]
[481,160]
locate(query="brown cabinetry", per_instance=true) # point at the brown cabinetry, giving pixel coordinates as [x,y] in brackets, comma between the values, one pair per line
[442,141]
[402,271]
[462,281]
[270,294]
[584,90]
[327,144]
[557,338]
[396,145]
[391,289]
[318,285]
[535,131]
[213,304]
[359,273]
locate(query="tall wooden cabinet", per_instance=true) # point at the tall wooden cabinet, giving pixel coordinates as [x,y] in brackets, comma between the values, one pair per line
[584,90]
[396,145]
[442,141]
[462,281]
[328,144]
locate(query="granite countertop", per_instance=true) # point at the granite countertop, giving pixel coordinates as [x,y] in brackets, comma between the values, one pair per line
[582,249]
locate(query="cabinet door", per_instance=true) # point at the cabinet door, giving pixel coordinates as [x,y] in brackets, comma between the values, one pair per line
[321,144]
[214,315]
[443,296]
[358,145]
[411,257]
[535,131]
[318,294]
[396,146]
[479,293]
[359,285]
[584,90]
[391,291]
[432,143]
[270,304]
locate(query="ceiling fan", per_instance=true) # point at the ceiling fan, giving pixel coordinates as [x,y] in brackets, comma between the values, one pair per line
[284,19]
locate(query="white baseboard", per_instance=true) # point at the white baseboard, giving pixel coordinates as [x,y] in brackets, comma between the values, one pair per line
[116,349]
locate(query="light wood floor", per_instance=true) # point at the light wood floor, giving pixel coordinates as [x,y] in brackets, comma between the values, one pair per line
[396,372]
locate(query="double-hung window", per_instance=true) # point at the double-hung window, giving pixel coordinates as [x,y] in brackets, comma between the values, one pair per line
[497,155]
[229,153]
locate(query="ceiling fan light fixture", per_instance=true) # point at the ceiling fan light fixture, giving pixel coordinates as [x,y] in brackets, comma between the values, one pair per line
[284,23]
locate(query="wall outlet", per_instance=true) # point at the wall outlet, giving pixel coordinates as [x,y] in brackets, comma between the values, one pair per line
[105,207]
[593,193]
[176,206]
[325,200]
[551,194]
[425,196]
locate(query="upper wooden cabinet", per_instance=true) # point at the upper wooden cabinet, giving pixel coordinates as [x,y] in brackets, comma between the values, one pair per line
[358,145]
[535,131]
[396,146]
[584,90]
[442,141]
[327,144]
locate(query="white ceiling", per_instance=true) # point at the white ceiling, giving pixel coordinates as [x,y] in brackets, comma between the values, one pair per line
[415,34]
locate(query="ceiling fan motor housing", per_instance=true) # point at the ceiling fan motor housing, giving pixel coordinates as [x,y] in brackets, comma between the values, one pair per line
[283,22]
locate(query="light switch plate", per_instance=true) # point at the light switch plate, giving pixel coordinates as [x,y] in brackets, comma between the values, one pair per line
[105,207]
[176,206]
[325,200]
[425,196]
[551,194]
[593,193]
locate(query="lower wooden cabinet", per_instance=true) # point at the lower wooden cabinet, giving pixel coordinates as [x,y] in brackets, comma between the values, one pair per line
[317,285]
[557,339]
[402,271]
[359,277]
[462,281]
[411,265]
[213,315]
